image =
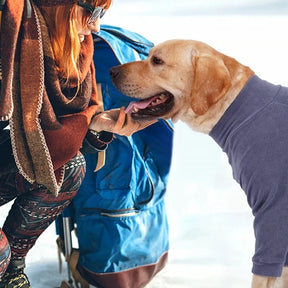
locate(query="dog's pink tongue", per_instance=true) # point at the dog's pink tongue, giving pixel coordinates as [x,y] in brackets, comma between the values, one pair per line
[139,105]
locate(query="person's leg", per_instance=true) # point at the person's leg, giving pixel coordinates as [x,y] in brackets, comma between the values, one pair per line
[7,193]
[5,253]
[271,282]
[35,208]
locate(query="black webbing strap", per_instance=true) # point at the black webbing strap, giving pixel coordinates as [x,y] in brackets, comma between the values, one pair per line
[2,3]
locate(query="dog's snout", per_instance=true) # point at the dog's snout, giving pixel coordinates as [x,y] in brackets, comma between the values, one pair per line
[114,72]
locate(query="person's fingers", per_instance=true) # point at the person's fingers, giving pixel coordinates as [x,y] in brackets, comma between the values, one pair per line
[117,121]
[121,121]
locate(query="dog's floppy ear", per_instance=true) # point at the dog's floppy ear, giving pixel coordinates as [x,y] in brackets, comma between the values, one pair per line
[211,81]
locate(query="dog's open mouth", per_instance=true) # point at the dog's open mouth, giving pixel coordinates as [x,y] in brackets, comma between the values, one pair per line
[152,107]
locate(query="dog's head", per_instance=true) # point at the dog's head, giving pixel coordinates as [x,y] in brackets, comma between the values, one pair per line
[177,75]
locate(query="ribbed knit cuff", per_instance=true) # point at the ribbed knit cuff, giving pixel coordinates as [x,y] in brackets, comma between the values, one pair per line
[269,270]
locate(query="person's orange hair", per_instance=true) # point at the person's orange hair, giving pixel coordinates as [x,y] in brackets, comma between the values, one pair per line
[63,34]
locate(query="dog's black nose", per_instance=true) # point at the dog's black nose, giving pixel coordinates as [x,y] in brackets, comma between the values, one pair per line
[114,72]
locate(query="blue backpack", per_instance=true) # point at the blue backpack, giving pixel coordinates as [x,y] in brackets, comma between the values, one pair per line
[119,211]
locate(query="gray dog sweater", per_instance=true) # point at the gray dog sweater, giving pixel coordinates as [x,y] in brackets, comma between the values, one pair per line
[254,133]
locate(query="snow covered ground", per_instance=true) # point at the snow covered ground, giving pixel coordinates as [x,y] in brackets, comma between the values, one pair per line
[211,236]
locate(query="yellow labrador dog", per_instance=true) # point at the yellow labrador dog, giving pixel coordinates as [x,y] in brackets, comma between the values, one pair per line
[246,116]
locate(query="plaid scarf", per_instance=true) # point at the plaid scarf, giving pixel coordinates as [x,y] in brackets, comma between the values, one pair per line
[47,126]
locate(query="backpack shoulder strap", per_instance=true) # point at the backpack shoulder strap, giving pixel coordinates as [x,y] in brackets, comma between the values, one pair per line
[101,154]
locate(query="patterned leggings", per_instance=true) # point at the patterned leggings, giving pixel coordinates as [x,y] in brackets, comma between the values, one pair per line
[35,208]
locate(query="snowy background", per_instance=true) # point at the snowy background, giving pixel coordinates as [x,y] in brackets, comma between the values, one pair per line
[211,225]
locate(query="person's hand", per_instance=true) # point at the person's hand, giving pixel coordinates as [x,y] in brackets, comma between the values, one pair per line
[117,121]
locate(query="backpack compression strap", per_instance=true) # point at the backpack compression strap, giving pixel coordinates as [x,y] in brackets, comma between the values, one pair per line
[101,154]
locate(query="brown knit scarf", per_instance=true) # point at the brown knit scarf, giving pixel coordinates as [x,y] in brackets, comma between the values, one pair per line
[47,127]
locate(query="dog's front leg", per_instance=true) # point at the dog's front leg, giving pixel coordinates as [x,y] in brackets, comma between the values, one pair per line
[283,280]
[271,282]
[264,282]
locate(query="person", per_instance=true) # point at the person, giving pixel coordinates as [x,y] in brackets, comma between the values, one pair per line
[49,99]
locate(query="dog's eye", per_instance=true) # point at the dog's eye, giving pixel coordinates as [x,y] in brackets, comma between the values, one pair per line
[157,61]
